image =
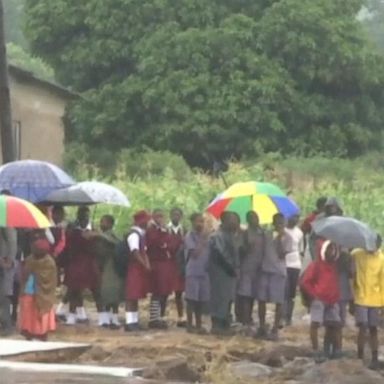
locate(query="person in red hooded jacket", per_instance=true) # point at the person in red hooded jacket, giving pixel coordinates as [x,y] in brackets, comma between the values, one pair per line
[320,283]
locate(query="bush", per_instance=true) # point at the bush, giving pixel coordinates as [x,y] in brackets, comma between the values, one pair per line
[164,180]
[147,163]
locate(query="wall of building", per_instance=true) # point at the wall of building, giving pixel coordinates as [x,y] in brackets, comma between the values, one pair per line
[38,111]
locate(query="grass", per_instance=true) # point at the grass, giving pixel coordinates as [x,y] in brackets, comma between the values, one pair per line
[359,184]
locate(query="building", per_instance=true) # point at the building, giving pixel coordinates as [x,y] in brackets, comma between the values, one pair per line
[38,108]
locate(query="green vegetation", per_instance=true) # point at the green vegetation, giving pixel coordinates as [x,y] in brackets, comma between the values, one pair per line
[21,58]
[374,22]
[213,79]
[17,47]
[359,183]
[13,11]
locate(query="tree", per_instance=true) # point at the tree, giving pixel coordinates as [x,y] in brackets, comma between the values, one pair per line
[5,98]
[13,10]
[211,79]
[373,22]
[338,74]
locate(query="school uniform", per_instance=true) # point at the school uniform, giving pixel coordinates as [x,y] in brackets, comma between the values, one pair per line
[251,258]
[368,287]
[176,234]
[159,252]
[82,271]
[294,248]
[111,289]
[271,285]
[137,283]
[320,282]
[222,270]
[197,286]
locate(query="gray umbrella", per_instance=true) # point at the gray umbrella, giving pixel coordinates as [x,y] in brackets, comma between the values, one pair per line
[346,232]
[88,192]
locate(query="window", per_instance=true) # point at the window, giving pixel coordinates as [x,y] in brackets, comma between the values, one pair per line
[17,139]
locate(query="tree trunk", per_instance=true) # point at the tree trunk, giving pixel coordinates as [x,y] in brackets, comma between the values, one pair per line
[8,151]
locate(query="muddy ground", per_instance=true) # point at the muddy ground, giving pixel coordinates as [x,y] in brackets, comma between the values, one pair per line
[175,356]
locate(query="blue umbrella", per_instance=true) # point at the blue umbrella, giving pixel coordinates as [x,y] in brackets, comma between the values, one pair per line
[33,180]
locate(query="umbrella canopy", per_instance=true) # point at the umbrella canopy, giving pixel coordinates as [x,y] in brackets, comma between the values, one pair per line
[346,232]
[264,198]
[18,213]
[32,180]
[89,192]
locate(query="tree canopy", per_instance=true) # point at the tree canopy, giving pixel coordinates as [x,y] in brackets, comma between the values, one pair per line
[213,79]
[13,10]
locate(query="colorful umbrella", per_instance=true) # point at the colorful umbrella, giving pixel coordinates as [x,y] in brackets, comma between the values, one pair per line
[264,198]
[18,213]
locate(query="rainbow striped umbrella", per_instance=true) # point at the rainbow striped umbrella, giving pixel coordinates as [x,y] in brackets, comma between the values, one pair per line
[18,213]
[263,198]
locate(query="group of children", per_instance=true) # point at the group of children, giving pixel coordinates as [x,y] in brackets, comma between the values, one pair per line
[337,279]
[221,271]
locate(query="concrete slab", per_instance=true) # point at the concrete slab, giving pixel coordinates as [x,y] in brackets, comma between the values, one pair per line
[70,369]
[10,347]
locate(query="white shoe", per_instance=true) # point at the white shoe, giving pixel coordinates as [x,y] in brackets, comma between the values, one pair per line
[81,315]
[71,319]
[61,310]
[103,319]
[114,319]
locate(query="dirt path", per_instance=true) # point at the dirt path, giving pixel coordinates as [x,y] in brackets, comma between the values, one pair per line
[175,356]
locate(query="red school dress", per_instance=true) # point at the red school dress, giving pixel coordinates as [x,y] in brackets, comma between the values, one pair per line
[82,271]
[159,252]
[137,281]
[176,242]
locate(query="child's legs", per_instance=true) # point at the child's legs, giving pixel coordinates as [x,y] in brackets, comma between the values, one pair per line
[97,299]
[239,308]
[278,316]
[290,294]
[199,308]
[115,308]
[262,309]
[373,323]
[190,312]
[112,307]
[361,340]
[243,309]
[163,305]
[179,304]
[314,335]
[75,300]
[334,331]
[374,342]
[366,318]
[247,310]
[132,305]
[317,313]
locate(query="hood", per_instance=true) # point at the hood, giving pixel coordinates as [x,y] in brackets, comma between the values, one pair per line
[323,249]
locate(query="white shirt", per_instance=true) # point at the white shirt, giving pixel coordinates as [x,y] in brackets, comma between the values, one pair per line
[133,239]
[295,242]
[175,229]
